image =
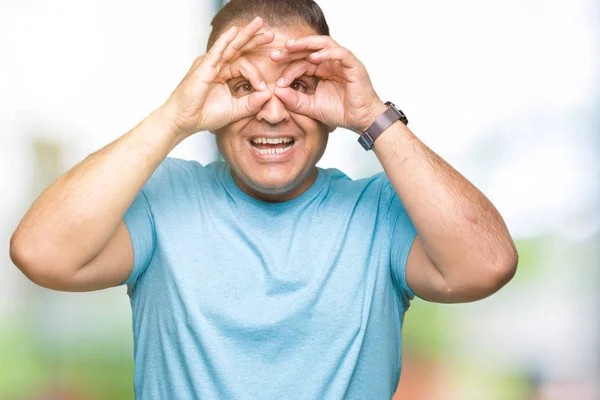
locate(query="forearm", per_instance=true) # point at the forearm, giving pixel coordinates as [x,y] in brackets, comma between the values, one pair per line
[462,232]
[74,218]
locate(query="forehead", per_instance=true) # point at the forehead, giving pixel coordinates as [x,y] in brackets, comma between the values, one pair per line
[260,55]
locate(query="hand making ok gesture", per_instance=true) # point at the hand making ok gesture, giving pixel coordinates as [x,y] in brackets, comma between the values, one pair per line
[203,100]
[344,96]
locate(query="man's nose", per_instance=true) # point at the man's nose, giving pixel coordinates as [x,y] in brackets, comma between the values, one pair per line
[273,111]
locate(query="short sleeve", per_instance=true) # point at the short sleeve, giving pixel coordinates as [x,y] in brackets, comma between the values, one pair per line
[402,235]
[140,225]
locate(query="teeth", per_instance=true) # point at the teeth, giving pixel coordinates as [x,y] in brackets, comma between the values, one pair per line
[271,140]
[274,151]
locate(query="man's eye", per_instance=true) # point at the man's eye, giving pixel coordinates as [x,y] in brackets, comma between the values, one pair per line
[299,86]
[244,88]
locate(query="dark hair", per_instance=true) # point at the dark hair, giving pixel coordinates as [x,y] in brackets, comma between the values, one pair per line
[275,13]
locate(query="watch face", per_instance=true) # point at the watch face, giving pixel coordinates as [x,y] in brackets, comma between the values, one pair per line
[398,111]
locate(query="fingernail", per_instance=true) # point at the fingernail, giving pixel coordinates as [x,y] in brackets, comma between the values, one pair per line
[315,54]
[262,85]
[291,41]
[275,53]
[280,82]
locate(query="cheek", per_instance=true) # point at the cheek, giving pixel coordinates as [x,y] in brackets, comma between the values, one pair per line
[302,121]
[228,136]
[315,130]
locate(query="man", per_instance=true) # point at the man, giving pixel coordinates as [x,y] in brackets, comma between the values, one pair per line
[264,277]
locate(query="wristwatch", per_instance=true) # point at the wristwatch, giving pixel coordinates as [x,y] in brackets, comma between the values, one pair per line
[391,115]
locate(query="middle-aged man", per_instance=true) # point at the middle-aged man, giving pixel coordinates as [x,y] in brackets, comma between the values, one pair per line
[263,276]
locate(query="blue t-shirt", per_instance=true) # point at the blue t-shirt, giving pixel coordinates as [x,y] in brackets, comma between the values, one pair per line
[237,298]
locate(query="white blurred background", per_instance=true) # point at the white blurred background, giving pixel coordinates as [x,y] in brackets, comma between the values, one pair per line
[506,91]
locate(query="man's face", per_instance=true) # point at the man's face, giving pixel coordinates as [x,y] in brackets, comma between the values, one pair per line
[290,170]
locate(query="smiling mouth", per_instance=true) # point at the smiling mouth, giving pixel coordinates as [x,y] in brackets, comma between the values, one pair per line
[268,146]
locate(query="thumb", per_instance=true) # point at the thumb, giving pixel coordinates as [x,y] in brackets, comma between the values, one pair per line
[295,101]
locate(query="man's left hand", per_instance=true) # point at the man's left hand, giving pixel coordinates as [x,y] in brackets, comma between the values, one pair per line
[344,96]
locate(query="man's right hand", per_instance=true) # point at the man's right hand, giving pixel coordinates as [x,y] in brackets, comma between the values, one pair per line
[203,100]
[73,237]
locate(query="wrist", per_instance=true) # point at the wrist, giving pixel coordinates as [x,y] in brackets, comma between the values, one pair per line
[375,111]
[164,117]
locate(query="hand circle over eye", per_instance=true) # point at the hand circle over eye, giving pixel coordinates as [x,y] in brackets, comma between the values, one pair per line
[203,100]
[344,96]
[241,71]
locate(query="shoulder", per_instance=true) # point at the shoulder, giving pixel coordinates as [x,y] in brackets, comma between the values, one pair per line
[174,167]
[341,182]
[370,191]
[175,174]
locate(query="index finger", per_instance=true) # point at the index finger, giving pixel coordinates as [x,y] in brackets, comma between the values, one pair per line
[313,42]
[242,38]
[214,55]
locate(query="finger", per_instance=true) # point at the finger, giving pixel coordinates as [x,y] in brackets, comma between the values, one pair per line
[242,67]
[243,38]
[286,55]
[250,105]
[296,70]
[260,39]
[296,101]
[341,54]
[314,42]
[215,54]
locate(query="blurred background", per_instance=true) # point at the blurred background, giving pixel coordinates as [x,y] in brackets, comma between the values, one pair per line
[507,91]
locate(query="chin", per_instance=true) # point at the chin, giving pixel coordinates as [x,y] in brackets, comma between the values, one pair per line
[272,184]
[276,184]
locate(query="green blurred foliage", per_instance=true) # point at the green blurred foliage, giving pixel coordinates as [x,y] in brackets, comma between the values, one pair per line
[92,369]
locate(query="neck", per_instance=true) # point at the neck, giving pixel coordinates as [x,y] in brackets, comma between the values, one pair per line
[277,197]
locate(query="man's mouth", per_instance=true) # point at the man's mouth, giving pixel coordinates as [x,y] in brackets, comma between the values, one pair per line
[267,146]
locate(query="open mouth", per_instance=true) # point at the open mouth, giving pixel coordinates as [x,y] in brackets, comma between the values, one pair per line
[267,146]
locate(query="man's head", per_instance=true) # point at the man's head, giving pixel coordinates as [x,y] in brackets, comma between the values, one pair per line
[290,173]
[277,14]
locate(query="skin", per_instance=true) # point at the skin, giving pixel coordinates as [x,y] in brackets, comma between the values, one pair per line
[273,180]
